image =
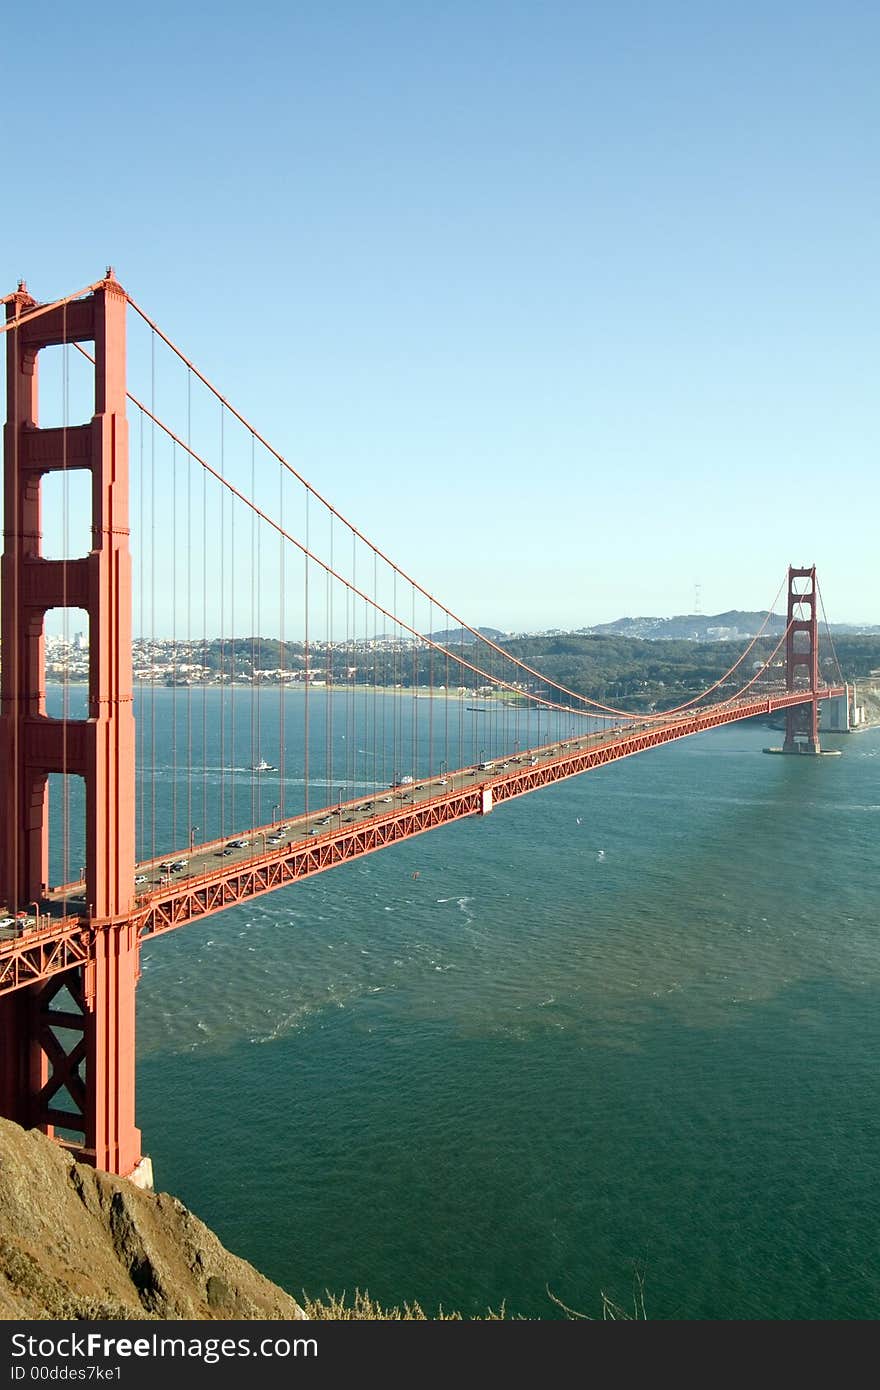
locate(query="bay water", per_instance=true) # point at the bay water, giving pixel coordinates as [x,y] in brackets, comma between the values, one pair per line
[628,1026]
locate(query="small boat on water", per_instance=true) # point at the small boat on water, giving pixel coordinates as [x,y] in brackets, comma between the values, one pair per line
[263,766]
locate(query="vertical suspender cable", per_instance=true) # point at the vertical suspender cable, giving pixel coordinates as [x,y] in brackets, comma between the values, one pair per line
[350,738]
[386,704]
[174,790]
[431,762]
[374,662]
[232,509]
[222,644]
[233,503]
[365,675]
[65,507]
[446,767]
[462,695]
[259,581]
[307,677]
[189,634]
[395,707]
[828,634]
[205,819]
[153,593]
[516,712]
[254,641]
[346,701]
[282,657]
[414,703]
[328,753]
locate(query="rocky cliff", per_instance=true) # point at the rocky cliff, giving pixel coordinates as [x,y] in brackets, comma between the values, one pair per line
[75,1243]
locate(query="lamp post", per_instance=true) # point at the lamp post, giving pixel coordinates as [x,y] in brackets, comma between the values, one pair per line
[339,806]
[275,809]
[192,837]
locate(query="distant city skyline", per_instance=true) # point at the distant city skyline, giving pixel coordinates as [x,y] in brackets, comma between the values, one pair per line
[571,309]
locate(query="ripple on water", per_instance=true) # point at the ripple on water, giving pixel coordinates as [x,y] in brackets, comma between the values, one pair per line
[541,1065]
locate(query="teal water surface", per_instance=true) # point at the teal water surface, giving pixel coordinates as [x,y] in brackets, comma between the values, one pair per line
[627,1022]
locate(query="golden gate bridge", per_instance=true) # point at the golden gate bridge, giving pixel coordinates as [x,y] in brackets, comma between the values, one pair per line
[230,537]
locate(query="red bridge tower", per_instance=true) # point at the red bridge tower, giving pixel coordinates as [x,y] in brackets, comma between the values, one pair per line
[81,1082]
[802,661]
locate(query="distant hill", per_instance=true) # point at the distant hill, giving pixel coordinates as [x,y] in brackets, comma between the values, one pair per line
[702,627]
[455,636]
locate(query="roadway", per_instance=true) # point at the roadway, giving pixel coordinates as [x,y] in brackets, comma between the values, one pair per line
[240,847]
[215,876]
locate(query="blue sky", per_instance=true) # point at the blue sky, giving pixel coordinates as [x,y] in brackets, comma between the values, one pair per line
[570,307]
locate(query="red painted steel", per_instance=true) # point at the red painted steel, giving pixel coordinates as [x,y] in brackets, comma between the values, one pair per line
[76,976]
[99,966]
[196,898]
[112,1141]
[802,660]
[39,955]
[174,906]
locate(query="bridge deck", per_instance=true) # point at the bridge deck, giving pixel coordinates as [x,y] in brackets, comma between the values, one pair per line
[217,876]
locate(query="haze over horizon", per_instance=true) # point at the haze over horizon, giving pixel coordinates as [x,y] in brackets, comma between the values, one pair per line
[697,620]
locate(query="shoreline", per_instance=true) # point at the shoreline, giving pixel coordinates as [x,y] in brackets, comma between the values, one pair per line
[522,706]
[417,692]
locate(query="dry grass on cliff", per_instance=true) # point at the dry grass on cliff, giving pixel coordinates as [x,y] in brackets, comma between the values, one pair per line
[337,1307]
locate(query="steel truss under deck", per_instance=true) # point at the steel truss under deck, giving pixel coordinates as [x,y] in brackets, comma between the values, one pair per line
[66,943]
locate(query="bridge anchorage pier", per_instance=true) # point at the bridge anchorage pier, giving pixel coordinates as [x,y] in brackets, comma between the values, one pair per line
[67,1064]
